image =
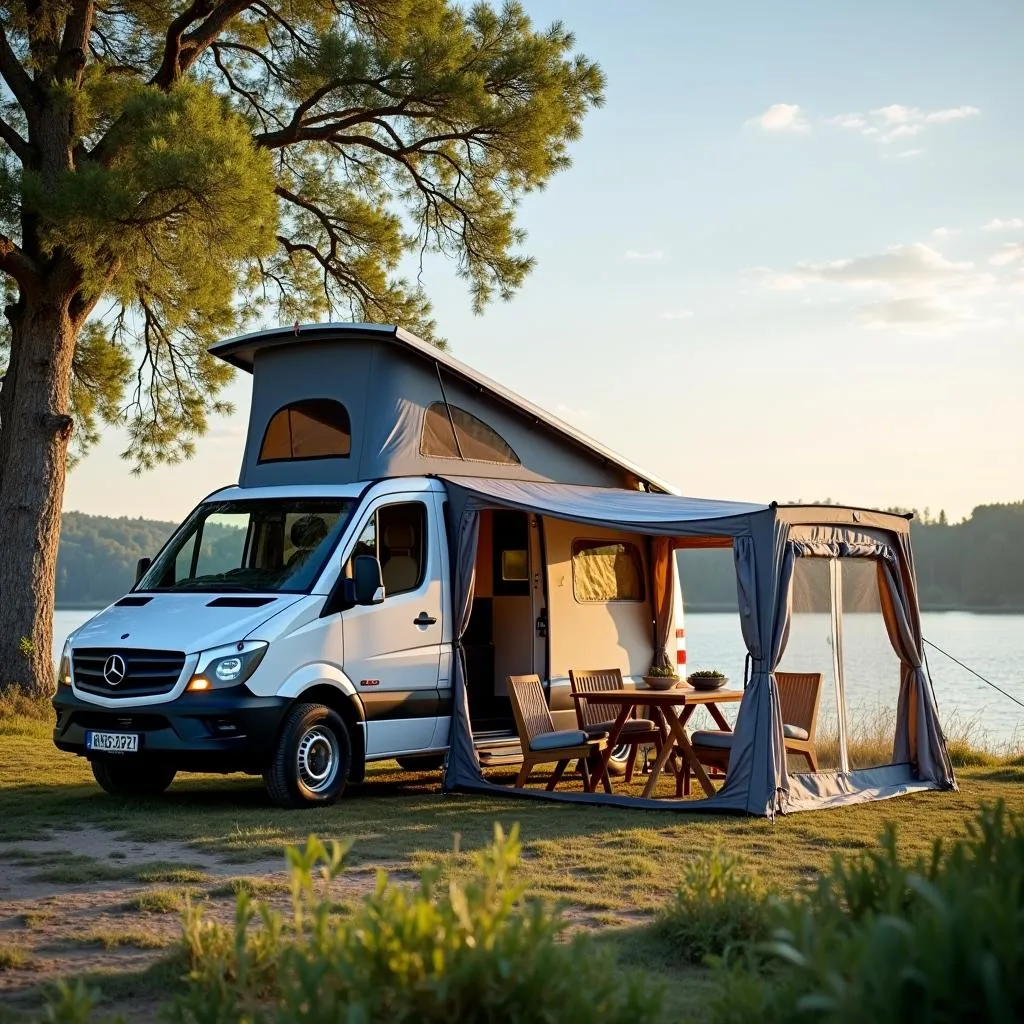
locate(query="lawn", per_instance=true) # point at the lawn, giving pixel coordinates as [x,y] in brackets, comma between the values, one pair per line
[92,885]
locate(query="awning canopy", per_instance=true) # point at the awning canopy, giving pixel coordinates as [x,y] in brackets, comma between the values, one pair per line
[764,553]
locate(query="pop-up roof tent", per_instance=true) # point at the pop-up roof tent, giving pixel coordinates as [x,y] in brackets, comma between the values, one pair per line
[768,543]
[400,407]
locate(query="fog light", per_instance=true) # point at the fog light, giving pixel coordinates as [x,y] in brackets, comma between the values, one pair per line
[198,683]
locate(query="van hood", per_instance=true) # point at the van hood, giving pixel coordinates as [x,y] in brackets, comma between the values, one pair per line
[188,622]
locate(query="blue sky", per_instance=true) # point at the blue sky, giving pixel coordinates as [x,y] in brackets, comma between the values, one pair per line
[788,261]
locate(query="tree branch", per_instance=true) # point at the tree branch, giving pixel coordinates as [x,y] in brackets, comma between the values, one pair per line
[183,47]
[21,149]
[16,263]
[15,76]
[75,41]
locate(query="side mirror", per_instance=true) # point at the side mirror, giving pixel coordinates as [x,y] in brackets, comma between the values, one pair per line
[141,567]
[366,579]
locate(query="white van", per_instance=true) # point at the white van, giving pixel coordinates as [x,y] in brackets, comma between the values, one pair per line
[299,625]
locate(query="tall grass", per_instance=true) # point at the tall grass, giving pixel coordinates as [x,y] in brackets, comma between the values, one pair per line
[870,741]
[21,712]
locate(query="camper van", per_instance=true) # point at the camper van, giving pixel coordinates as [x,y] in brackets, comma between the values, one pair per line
[301,624]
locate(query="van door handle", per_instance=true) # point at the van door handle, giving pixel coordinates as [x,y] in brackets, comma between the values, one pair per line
[423,619]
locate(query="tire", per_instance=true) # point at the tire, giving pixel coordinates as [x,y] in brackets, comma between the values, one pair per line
[132,776]
[421,762]
[618,759]
[312,758]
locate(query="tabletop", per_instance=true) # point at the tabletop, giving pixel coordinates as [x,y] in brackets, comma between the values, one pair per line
[676,696]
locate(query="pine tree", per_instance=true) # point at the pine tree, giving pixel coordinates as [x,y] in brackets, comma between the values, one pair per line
[171,170]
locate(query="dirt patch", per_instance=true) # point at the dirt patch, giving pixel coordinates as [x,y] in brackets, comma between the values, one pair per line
[57,929]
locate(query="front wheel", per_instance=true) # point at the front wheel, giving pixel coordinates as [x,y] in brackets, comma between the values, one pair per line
[311,761]
[132,776]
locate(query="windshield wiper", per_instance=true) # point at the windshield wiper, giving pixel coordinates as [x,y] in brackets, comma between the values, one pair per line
[209,583]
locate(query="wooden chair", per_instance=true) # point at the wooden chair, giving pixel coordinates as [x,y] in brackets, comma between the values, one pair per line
[799,698]
[596,718]
[542,743]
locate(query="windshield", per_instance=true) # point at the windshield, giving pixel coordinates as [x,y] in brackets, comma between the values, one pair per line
[277,544]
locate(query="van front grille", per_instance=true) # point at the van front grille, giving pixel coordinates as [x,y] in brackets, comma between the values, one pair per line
[113,672]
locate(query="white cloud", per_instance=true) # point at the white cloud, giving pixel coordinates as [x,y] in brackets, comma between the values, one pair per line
[654,254]
[677,314]
[916,266]
[912,288]
[951,114]
[897,120]
[940,233]
[907,153]
[1004,225]
[911,312]
[782,117]
[1009,253]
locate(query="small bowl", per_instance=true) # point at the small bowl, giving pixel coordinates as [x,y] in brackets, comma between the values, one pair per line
[707,682]
[661,682]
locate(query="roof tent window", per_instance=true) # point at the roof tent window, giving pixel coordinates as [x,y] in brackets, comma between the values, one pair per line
[315,428]
[477,441]
[605,570]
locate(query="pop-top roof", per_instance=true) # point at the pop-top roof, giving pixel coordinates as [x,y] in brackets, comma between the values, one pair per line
[241,351]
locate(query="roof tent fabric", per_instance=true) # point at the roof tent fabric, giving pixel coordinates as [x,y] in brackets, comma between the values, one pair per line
[757,781]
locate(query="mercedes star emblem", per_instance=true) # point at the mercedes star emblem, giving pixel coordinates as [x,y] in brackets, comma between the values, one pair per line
[114,670]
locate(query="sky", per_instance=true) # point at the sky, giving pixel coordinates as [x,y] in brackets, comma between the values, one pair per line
[787,263]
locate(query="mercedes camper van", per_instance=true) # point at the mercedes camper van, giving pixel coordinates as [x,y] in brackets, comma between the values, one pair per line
[300,624]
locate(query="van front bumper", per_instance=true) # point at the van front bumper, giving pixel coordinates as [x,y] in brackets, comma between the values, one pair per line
[216,731]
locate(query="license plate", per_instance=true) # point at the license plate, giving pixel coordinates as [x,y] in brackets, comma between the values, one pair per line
[112,742]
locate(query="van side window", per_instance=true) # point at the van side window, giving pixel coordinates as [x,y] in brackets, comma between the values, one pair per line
[473,439]
[605,570]
[397,535]
[315,428]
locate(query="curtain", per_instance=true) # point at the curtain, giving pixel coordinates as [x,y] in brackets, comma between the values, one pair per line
[919,739]
[463,764]
[663,598]
[757,764]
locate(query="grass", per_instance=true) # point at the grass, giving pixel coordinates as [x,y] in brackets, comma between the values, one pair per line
[608,864]
[159,901]
[256,887]
[135,937]
[13,957]
[158,871]
[39,918]
[77,869]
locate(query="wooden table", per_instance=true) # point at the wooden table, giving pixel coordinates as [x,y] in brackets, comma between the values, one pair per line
[663,703]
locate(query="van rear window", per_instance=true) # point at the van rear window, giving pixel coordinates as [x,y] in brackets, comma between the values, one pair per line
[605,570]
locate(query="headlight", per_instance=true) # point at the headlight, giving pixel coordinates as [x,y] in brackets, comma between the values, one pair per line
[227,666]
[64,668]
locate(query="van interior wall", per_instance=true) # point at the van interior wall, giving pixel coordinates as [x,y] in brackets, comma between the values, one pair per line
[591,634]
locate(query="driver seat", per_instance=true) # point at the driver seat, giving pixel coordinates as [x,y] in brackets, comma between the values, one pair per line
[401,571]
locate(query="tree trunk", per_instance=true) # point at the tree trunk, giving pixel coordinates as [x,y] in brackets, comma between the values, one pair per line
[34,432]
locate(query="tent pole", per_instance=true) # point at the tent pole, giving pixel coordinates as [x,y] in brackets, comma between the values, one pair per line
[835,572]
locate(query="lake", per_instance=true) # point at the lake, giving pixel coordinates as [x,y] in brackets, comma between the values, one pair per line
[991,644]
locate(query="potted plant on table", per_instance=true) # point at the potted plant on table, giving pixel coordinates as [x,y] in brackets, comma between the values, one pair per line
[707,679]
[661,677]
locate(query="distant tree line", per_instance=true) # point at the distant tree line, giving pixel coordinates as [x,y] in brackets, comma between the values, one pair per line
[976,564]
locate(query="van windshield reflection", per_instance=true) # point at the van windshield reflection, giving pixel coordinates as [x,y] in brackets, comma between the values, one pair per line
[252,545]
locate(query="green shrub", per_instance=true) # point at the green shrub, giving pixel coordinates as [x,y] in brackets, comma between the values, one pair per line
[717,906]
[473,953]
[938,940]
